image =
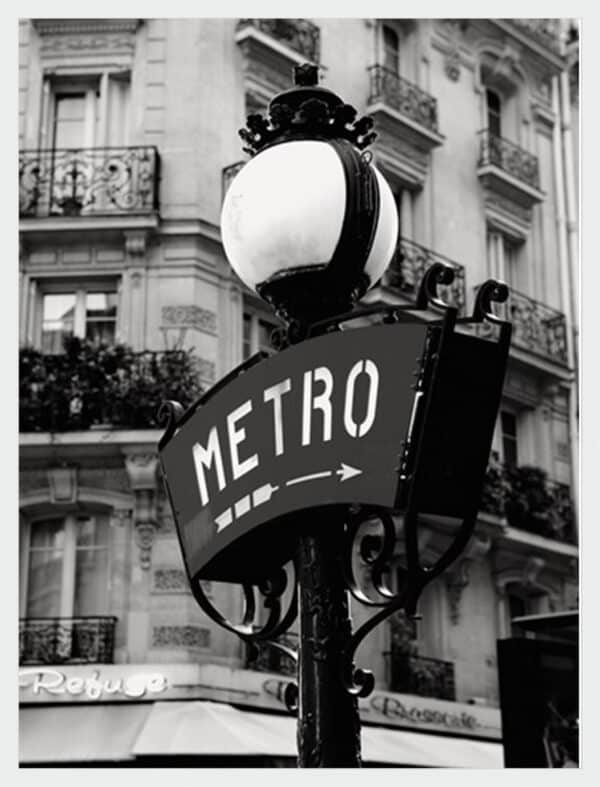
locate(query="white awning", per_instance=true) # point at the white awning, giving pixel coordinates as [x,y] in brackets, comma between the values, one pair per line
[121,731]
[79,733]
[209,728]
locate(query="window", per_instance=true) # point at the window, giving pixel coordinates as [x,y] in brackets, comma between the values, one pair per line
[510,253]
[256,334]
[523,601]
[87,311]
[391,50]
[86,111]
[508,423]
[67,571]
[504,255]
[493,112]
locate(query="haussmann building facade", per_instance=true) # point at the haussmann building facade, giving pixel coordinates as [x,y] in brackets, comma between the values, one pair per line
[128,140]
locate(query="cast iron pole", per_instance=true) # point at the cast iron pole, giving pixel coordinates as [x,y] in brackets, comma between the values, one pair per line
[328,720]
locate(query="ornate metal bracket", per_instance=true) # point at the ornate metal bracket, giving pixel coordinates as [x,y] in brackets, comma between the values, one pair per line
[489,292]
[438,273]
[278,620]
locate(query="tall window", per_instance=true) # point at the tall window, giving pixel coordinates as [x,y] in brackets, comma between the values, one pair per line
[67,572]
[493,112]
[511,254]
[508,423]
[87,312]
[86,112]
[391,50]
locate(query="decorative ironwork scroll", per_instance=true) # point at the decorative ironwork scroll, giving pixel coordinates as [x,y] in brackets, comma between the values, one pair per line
[92,181]
[408,267]
[537,327]
[510,158]
[403,96]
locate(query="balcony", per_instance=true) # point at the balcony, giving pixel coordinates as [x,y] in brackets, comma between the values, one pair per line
[270,659]
[90,386]
[299,35]
[425,677]
[271,48]
[544,31]
[508,171]
[409,265]
[537,328]
[87,640]
[88,182]
[407,123]
[529,501]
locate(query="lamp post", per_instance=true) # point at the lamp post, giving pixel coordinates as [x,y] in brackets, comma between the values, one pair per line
[310,224]
[287,456]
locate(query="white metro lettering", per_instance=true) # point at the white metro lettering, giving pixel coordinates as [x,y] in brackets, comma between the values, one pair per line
[236,436]
[321,402]
[204,457]
[369,368]
[274,394]
[316,395]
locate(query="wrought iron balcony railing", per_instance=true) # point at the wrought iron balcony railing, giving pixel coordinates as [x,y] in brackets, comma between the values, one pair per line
[536,327]
[425,677]
[300,35]
[104,386]
[88,182]
[529,501]
[510,158]
[401,95]
[545,31]
[270,659]
[409,265]
[86,640]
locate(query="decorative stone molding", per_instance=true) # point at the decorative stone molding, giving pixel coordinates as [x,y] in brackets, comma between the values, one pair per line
[525,574]
[170,580]
[144,539]
[180,637]
[103,41]
[135,242]
[457,576]
[449,36]
[452,65]
[141,469]
[531,571]
[47,27]
[63,484]
[191,316]
[120,516]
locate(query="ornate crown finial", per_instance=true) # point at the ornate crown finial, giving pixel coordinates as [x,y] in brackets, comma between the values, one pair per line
[306,75]
[306,111]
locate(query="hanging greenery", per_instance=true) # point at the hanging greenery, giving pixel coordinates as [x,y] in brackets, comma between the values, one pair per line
[107,386]
[528,500]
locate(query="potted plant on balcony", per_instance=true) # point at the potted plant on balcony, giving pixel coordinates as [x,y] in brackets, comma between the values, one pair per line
[529,503]
[496,487]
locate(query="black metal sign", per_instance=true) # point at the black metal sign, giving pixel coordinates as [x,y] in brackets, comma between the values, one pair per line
[321,423]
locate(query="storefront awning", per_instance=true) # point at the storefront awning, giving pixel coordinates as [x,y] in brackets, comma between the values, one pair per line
[79,733]
[209,728]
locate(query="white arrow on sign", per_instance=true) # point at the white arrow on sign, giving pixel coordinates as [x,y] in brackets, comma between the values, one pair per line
[264,493]
[347,471]
[344,472]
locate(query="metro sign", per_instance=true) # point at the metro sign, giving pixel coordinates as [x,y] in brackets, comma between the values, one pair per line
[320,423]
